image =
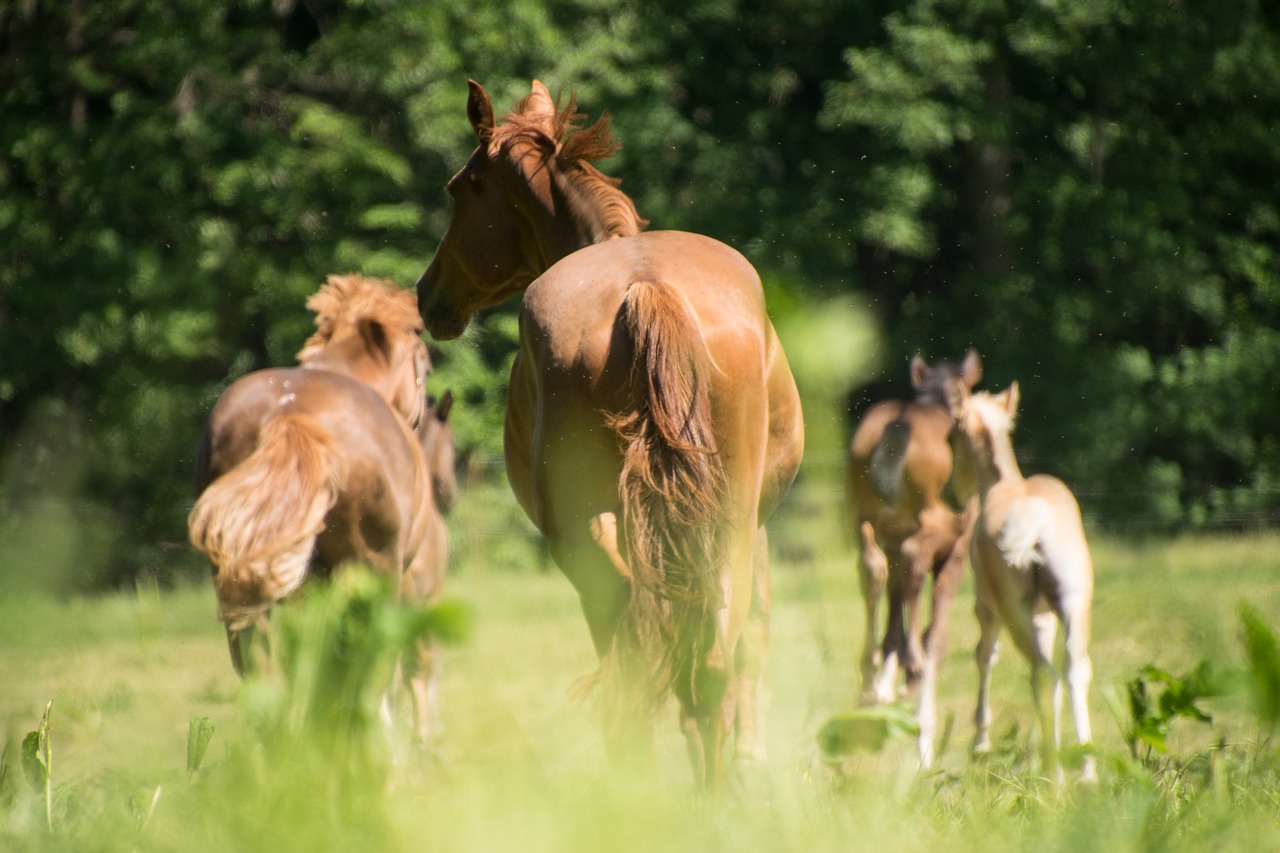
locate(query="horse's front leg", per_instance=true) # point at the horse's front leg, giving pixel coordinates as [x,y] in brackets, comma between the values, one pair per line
[874,573]
[250,647]
[884,688]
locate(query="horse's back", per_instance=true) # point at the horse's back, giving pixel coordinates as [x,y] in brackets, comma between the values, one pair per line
[382,469]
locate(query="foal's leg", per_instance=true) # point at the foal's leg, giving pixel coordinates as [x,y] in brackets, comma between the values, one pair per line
[875,573]
[944,590]
[752,691]
[1075,619]
[1046,682]
[884,688]
[986,653]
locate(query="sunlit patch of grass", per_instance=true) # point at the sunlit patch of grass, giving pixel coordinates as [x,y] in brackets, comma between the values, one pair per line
[522,765]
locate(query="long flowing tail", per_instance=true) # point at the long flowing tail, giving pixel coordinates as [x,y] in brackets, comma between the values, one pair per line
[258,522]
[672,487]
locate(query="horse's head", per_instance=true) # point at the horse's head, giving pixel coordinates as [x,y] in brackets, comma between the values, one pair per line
[945,383]
[527,197]
[983,425]
[439,449]
[369,329]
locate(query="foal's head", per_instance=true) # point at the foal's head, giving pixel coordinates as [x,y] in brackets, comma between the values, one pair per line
[982,433]
[369,329]
[527,197]
[945,383]
[439,449]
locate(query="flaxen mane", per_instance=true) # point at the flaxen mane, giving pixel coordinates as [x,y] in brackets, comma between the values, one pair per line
[346,300]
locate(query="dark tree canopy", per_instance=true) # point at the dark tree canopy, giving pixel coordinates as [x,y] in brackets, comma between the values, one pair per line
[1085,192]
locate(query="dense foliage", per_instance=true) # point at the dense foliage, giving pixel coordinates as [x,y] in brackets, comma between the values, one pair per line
[1083,191]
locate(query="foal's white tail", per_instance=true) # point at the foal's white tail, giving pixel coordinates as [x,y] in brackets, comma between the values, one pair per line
[258,522]
[1028,525]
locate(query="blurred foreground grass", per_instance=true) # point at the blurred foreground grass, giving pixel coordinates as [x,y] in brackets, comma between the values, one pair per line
[521,766]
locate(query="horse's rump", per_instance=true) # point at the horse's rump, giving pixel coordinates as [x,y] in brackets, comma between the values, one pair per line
[258,522]
[672,486]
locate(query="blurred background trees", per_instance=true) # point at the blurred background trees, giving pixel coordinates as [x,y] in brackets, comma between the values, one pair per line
[1085,192]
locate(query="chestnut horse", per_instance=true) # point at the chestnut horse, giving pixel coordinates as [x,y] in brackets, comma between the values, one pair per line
[1032,569]
[652,421]
[302,469]
[899,464]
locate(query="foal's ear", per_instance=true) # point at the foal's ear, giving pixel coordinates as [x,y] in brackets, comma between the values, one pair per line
[971,369]
[1011,398]
[480,111]
[919,371]
[441,409]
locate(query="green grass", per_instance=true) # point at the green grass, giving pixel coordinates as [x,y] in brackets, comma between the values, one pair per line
[522,766]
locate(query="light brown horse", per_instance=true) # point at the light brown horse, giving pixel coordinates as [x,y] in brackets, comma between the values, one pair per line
[652,421]
[1032,569]
[899,464]
[302,469]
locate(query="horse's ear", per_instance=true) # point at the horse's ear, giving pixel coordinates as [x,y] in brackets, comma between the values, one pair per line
[441,409]
[540,104]
[375,337]
[1011,399]
[480,111]
[919,371]
[971,369]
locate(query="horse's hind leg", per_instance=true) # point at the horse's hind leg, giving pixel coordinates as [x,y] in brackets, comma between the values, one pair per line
[875,574]
[987,652]
[1046,684]
[1079,676]
[421,674]
[752,692]
[706,697]
[944,590]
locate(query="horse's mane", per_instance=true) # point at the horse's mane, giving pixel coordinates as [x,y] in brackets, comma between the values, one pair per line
[575,149]
[349,299]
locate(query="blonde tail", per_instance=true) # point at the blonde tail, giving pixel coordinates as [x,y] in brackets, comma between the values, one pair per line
[258,522]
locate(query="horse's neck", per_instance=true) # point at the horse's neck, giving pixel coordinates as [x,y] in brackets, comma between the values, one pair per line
[1000,466]
[593,211]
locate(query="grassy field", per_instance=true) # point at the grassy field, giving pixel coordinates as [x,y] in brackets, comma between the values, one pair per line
[521,766]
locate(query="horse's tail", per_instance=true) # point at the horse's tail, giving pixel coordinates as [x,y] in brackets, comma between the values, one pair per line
[258,522]
[672,488]
[888,460]
[1026,527]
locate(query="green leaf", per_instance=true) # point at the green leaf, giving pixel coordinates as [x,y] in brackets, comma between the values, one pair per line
[34,762]
[1264,665]
[866,730]
[199,733]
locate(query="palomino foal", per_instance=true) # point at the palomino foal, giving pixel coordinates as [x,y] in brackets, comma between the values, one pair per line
[899,464]
[1032,569]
